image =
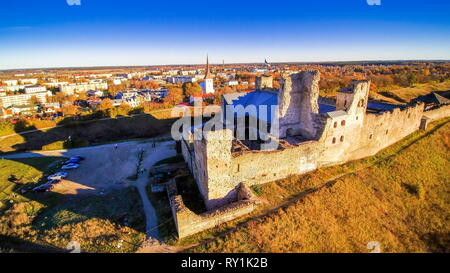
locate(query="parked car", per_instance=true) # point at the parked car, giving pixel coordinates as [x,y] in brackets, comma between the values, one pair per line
[72,160]
[43,188]
[70,166]
[55,181]
[58,175]
[79,157]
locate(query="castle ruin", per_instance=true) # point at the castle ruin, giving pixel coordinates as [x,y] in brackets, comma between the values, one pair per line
[311,135]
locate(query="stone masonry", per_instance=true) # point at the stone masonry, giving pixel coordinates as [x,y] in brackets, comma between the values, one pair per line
[348,133]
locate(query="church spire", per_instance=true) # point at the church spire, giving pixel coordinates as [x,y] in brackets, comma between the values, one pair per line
[207,72]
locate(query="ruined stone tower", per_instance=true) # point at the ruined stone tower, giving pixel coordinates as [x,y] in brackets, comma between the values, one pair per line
[354,99]
[298,104]
[263,82]
[213,157]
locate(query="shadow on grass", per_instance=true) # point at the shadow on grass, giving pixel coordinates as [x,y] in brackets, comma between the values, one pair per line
[122,208]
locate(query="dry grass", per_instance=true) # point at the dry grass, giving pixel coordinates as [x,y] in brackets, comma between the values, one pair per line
[409,93]
[88,133]
[400,198]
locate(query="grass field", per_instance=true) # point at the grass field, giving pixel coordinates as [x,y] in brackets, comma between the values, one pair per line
[399,198]
[404,95]
[49,221]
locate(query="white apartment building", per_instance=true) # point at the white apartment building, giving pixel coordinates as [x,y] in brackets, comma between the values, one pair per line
[180,79]
[10,82]
[188,72]
[28,81]
[55,84]
[23,99]
[35,89]
[170,72]
[82,87]
[14,88]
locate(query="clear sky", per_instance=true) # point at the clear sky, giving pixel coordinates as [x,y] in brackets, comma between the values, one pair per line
[149,32]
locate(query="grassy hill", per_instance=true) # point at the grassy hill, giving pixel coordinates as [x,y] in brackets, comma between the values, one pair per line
[399,198]
[404,95]
[92,132]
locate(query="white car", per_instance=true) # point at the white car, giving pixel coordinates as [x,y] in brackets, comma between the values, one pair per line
[70,166]
[58,175]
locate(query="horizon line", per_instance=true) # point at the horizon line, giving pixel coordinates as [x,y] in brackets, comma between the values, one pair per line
[231,63]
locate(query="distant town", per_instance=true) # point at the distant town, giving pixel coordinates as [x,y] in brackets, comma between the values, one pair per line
[57,93]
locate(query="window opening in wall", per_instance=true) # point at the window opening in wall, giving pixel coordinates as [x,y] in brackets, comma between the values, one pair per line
[342,138]
[334,140]
[361,103]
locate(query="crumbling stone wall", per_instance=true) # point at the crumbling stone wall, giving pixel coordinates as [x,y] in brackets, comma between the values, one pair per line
[348,133]
[187,222]
[257,167]
[263,82]
[382,130]
[438,113]
[213,157]
[298,104]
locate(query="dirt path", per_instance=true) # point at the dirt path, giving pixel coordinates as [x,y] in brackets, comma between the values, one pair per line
[151,223]
[150,157]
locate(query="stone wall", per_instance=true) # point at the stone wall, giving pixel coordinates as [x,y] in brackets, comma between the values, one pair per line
[438,113]
[263,82]
[187,222]
[256,167]
[349,133]
[382,130]
[298,104]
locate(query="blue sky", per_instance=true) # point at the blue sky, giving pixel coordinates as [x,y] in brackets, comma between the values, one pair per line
[147,32]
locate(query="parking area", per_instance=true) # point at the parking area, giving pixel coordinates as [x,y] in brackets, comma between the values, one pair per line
[106,167]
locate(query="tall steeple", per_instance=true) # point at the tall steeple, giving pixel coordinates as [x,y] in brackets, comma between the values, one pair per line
[208,72]
[208,82]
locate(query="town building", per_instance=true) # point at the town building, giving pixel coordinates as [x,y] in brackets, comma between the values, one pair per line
[180,79]
[208,82]
[28,81]
[34,89]
[11,82]
[23,99]
[82,87]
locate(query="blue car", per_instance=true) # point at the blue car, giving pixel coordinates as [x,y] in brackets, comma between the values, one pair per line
[43,188]
[55,181]
[72,160]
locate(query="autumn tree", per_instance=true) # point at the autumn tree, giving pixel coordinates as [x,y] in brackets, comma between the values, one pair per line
[105,105]
[152,85]
[82,96]
[174,97]
[69,110]
[123,109]
[191,88]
